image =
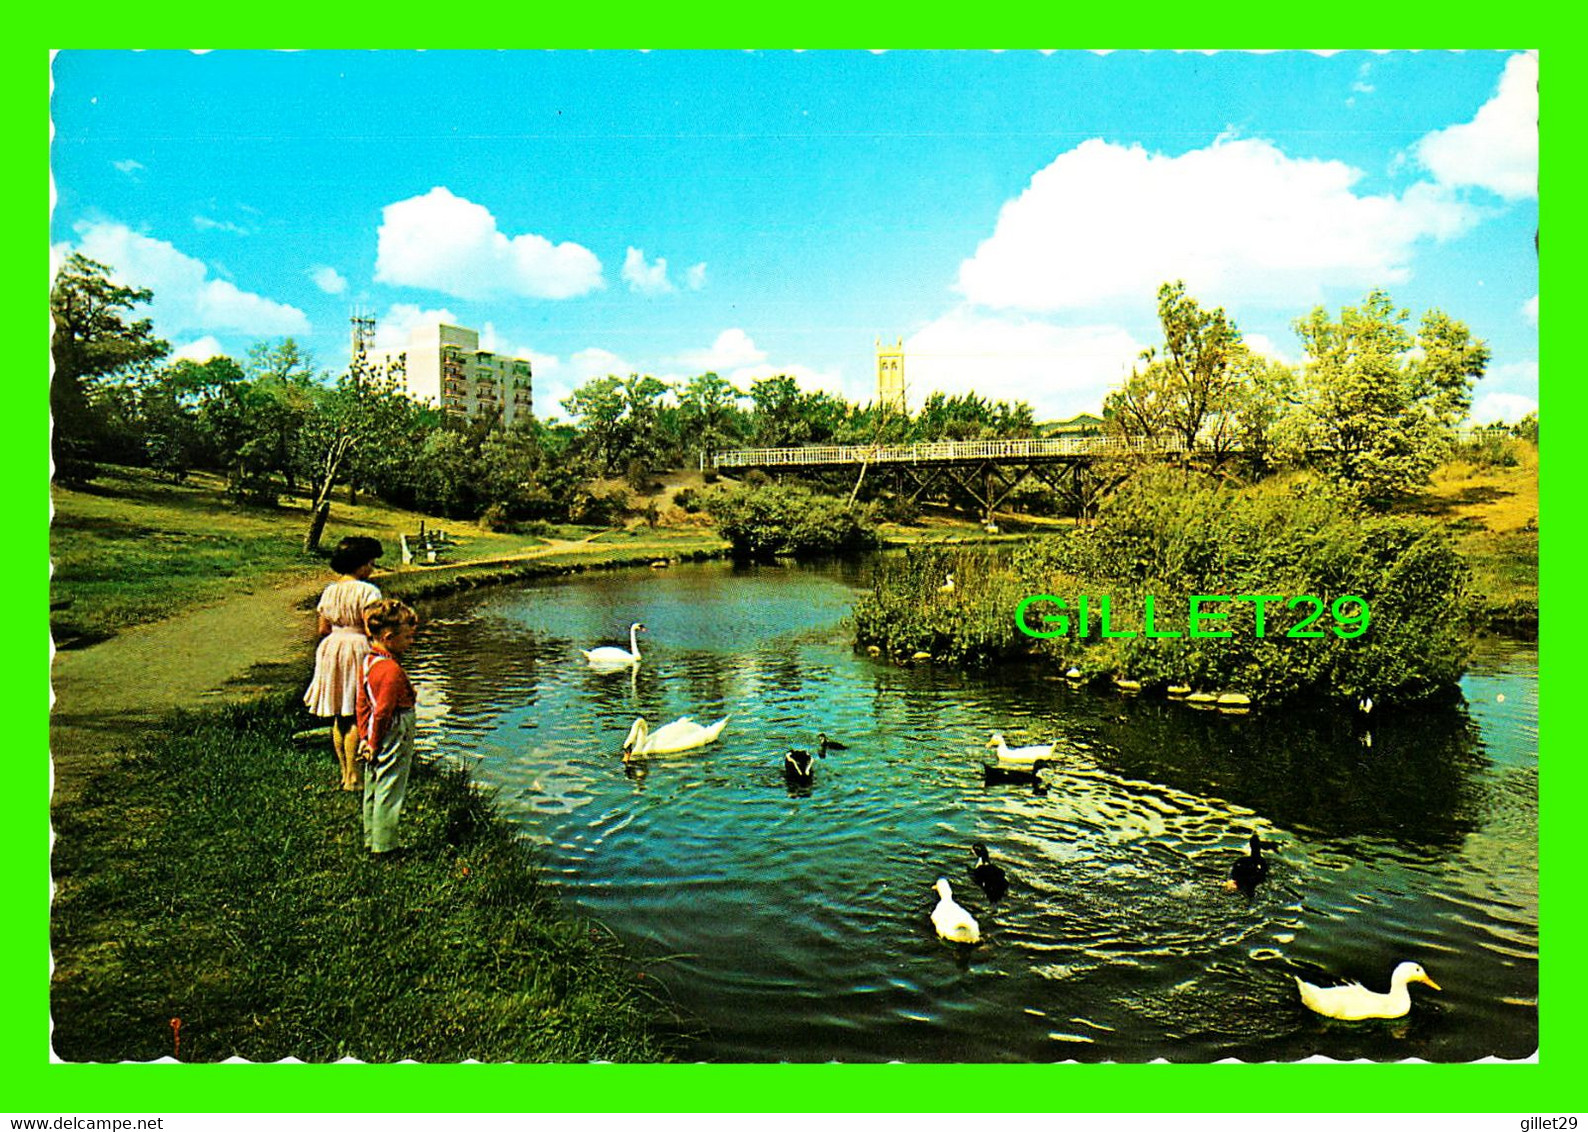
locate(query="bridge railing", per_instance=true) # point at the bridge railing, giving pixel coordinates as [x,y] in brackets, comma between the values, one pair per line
[941,451]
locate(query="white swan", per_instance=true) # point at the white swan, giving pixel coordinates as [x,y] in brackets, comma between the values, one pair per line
[1008,754]
[610,656]
[1354,1001]
[952,922]
[682,734]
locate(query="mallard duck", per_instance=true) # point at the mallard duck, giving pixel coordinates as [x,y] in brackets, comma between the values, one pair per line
[609,656]
[1249,871]
[952,922]
[988,875]
[1008,754]
[824,744]
[682,734]
[1353,1001]
[799,767]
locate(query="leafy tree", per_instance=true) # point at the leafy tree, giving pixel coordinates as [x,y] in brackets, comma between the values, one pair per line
[597,405]
[92,339]
[971,417]
[1379,406]
[785,416]
[709,415]
[284,381]
[1191,391]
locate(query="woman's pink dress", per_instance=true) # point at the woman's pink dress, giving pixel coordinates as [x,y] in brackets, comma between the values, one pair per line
[334,688]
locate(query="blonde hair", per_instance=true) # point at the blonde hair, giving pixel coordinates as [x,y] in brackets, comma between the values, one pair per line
[387,615]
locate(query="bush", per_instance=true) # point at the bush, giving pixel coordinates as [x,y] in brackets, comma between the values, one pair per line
[763,523]
[690,500]
[598,510]
[909,612]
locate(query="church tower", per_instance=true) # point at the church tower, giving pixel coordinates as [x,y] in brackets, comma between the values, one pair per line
[890,376]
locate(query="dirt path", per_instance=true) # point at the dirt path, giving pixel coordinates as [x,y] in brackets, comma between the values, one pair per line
[106,693]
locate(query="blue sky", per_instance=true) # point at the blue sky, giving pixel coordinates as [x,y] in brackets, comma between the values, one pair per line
[1009,215]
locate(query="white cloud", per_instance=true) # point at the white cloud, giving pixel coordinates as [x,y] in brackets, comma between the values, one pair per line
[1530,311]
[1239,221]
[402,319]
[1507,407]
[185,298]
[1512,377]
[130,167]
[1264,345]
[1058,370]
[205,224]
[646,278]
[808,379]
[733,349]
[200,350]
[695,277]
[448,244]
[329,280]
[1498,149]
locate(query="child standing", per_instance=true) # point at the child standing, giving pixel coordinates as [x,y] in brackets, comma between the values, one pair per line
[338,661]
[386,721]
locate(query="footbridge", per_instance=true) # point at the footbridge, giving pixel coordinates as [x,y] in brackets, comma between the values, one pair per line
[985,472]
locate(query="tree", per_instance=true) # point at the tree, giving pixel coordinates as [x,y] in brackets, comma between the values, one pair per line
[1379,406]
[598,407]
[709,416]
[92,339]
[1190,391]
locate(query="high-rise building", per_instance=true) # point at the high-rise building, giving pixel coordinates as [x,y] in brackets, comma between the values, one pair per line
[445,366]
[890,376]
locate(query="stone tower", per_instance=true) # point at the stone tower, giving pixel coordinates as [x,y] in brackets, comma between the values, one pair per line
[890,376]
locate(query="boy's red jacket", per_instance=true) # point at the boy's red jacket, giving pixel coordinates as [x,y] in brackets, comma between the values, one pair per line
[382,693]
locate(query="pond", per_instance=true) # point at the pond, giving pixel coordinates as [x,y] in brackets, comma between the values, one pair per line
[792,925]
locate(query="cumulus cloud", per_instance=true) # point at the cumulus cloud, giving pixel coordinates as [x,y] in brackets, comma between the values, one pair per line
[393,329]
[185,297]
[646,278]
[329,280]
[733,349]
[1058,370]
[130,167]
[445,243]
[1506,407]
[1498,149]
[199,350]
[1530,311]
[695,277]
[1239,221]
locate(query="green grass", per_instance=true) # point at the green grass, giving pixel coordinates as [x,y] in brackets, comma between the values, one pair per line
[214,877]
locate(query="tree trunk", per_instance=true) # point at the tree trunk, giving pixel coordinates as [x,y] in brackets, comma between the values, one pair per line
[311,541]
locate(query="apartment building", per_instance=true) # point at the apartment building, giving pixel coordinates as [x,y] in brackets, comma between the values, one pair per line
[444,365]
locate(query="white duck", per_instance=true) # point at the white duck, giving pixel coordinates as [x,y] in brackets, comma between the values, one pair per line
[683,734]
[1008,754]
[1354,1001]
[952,922]
[609,656]
[948,585]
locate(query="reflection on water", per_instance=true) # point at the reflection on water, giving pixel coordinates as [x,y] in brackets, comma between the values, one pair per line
[792,924]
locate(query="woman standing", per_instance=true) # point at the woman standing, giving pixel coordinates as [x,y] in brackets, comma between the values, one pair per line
[333,692]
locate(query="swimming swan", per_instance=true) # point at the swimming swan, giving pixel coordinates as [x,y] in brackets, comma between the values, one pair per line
[682,734]
[1008,754]
[952,922]
[1354,1001]
[609,655]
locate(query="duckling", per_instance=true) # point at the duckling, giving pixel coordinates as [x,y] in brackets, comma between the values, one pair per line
[799,767]
[1353,1001]
[952,922]
[825,744]
[1249,871]
[991,878]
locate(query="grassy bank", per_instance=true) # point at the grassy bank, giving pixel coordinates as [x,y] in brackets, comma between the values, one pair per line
[138,549]
[214,877]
